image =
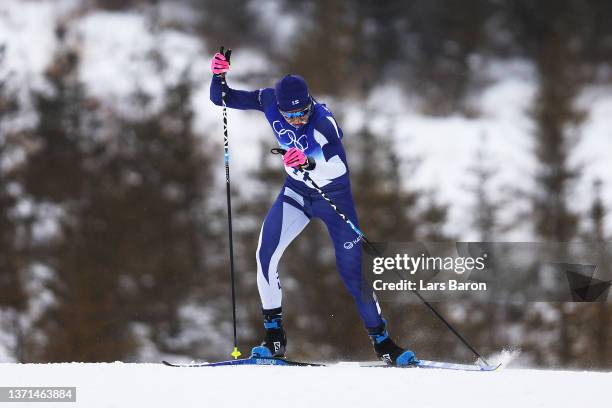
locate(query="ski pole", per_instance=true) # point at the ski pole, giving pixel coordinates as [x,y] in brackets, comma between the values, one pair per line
[235,353]
[377,252]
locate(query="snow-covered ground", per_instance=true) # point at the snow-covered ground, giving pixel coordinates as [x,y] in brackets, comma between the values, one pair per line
[154,385]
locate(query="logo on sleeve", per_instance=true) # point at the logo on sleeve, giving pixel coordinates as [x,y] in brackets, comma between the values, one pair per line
[351,244]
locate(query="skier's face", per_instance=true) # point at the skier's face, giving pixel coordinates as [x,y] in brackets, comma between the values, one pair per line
[298,117]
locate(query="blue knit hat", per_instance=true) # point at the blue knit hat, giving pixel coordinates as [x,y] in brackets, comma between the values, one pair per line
[292,93]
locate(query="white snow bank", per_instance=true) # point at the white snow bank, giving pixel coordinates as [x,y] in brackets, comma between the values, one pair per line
[154,385]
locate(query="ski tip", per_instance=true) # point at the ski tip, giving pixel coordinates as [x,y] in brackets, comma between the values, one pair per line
[490,367]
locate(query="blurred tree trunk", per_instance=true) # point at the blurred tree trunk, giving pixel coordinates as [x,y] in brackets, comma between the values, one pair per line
[13,297]
[11,292]
[557,120]
[601,311]
[486,223]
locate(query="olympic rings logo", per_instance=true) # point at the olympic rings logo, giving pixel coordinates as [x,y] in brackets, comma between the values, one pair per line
[288,137]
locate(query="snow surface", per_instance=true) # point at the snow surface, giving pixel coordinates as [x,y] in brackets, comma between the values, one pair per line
[154,385]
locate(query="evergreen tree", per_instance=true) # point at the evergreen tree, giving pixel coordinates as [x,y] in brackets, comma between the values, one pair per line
[486,208]
[596,336]
[487,321]
[447,35]
[11,294]
[130,248]
[13,298]
[349,46]
[118,5]
[157,187]
[325,51]
[568,43]
[230,23]
[85,322]
[557,121]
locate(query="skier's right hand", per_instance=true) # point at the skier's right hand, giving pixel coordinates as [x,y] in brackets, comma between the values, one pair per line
[295,158]
[219,64]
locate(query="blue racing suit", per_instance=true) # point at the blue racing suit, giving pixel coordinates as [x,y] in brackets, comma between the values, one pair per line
[320,139]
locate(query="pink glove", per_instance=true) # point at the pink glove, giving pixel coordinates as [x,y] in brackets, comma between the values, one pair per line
[218,64]
[294,158]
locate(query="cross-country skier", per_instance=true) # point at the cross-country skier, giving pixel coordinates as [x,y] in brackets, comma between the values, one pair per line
[308,132]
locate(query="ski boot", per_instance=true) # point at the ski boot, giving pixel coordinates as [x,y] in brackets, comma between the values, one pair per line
[275,342]
[388,351]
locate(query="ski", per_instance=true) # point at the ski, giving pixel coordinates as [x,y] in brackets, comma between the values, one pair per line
[248,361]
[434,364]
[456,366]
[283,362]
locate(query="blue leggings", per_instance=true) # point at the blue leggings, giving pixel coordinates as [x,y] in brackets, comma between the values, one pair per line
[287,217]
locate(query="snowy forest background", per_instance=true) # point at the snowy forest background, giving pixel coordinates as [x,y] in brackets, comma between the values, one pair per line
[464,120]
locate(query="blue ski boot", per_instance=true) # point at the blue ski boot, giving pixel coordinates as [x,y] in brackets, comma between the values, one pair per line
[388,351]
[275,342]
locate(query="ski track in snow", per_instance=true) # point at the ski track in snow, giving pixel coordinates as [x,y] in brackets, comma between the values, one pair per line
[154,385]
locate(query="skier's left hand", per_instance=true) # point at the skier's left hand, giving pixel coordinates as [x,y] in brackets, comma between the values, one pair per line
[219,64]
[295,158]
